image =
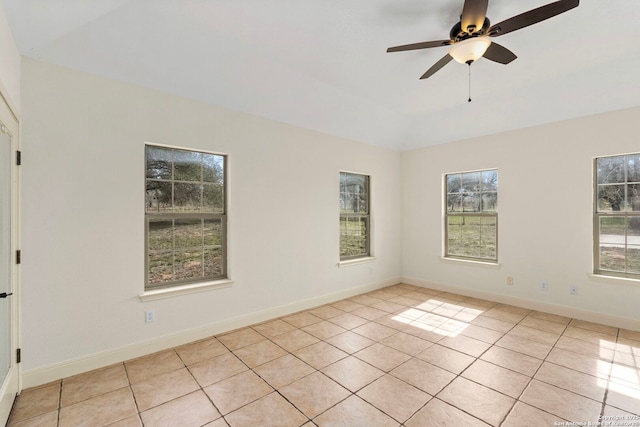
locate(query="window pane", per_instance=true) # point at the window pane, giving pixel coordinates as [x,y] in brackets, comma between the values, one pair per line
[633,197]
[489,202]
[353,236]
[213,168]
[188,264]
[612,230]
[188,233]
[213,262]
[471,181]
[188,165]
[454,235]
[612,258]
[454,183]
[158,162]
[454,202]
[471,202]
[353,195]
[160,267]
[160,235]
[187,197]
[633,168]
[213,198]
[489,180]
[610,169]
[633,259]
[158,196]
[488,238]
[610,198]
[212,232]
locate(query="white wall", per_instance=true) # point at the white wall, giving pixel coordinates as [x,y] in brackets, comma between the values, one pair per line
[10,64]
[545,216]
[83,214]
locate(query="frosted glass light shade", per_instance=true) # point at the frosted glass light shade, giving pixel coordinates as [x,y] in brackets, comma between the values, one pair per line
[470,49]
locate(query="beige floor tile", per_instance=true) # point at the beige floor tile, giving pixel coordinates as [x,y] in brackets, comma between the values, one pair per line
[101,410]
[523,415]
[497,378]
[446,358]
[388,306]
[346,305]
[49,419]
[132,421]
[274,328]
[36,401]
[382,294]
[283,370]
[618,414]
[369,313]
[423,330]
[271,410]
[94,383]
[534,334]
[406,301]
[439,413]
[261,352]
[588,365]
[354,412]
[463,344]
[302,319]
[375,331]
[294,340]
[483,334]
[350,342]
[626,375]
[505,316]
[220,422]
[314,394]
[200,350]
[550,317]
[194,409]
[588,335]
[352,373]
[407,343]
[585,348]
[382,357]
[163,388]
[217,369]
[525,346]
[513,360]
[324,330]
[608,330]
[423,375]
[481,402]
[240,338]
[559,402]
[395,398]
[144,368]
[543,325]
[572,380]
[237,391]
[320,354]
[628,359]
[365,300]
[628,334]
[624,397]
[326,312]
[492,323]
[348,320]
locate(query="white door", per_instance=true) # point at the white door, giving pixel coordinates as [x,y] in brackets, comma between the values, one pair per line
[8,270]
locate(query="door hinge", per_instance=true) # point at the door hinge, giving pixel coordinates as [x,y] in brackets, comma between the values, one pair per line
[18,355]
[18,256]
[18,158]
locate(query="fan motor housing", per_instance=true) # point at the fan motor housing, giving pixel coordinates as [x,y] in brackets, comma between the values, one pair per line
[458,34]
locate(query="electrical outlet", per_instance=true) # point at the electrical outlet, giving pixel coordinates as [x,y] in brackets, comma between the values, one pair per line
[573,290]
[509,280]
[149,316]
[544,286]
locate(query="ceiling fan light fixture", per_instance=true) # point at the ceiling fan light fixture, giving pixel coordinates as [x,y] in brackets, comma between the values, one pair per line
[470,50]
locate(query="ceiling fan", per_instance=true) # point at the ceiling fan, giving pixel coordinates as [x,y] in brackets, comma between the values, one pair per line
[470,38]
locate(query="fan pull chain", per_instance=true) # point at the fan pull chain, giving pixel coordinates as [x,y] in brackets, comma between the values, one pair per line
[469,81]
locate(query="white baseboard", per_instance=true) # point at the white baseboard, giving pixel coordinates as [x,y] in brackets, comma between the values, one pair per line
[575,313]
[46,374]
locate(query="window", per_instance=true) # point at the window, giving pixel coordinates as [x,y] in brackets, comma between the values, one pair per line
[471,219]
[617,215]
[185,216]
[354,216]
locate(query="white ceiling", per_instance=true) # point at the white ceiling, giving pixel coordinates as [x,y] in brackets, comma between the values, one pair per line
[322,64]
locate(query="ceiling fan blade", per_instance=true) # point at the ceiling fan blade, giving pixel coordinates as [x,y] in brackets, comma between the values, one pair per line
[431,71]
[531,17]
[421,45]
[499,53]
[473,14]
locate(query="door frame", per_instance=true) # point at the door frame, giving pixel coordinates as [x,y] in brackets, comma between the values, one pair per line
[12,386]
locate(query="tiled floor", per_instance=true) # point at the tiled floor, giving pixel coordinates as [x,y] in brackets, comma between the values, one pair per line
[402,355]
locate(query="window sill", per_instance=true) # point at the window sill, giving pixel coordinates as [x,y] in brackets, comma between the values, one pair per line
[484,264]
[616,280]
[350,262]
[184,290]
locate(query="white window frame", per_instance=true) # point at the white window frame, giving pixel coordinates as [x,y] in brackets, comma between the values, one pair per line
[360,214]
